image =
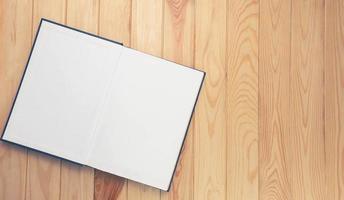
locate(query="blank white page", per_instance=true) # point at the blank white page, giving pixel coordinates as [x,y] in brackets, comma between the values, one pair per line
[98,103]
[146,115]
[63,89]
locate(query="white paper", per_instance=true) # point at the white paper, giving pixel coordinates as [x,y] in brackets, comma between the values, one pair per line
[104,105]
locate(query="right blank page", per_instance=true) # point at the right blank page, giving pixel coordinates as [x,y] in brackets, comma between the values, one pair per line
[145,118]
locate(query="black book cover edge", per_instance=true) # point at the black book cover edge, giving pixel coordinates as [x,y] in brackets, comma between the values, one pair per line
[112,41]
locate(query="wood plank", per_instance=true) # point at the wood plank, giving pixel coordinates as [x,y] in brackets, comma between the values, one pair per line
[15,44]
[115,20]
[43,176]
[146,36]
[179,47]
[107,186]
[334,99]
[114,23]
[210,118]
[242,99]
[146,26]
[43,172]
[51,9]
[305,142]
[83,15]
[274,68]
[77,182]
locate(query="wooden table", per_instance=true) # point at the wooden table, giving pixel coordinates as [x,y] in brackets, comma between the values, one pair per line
[270,120]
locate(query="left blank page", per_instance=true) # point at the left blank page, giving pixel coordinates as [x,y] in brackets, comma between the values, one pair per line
[62,92]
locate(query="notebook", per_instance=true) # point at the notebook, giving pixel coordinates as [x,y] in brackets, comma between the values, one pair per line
[98,103]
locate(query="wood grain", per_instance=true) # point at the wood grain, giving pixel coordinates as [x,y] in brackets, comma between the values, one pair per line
[146,36]
[146,26]
[108,186]
[179,47]
[115,20]
[15,43]
[43,172]
[83,15]
[274,68]
[242,99]
[43,176]
[295,141]
[77,182]
[51,9]
[305,141]
[210,118]
[334,99]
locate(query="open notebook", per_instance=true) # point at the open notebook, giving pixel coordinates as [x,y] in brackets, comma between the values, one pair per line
[98,103]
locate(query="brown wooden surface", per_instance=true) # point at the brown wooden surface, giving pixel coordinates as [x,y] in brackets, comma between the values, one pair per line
[178,46]
[210,117]
[15,42]
[334,99]
[242,99]
[274,64]
[269,121]
[305,142]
